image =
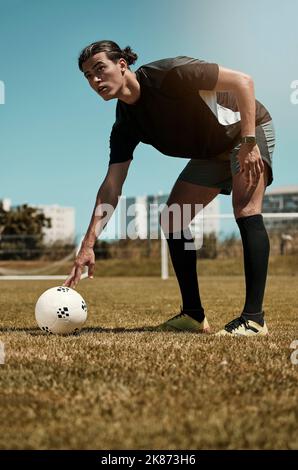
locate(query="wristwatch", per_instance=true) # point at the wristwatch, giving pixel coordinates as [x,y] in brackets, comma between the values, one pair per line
[249,139]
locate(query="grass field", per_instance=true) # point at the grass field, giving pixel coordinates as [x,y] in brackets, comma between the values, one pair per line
[115,386]
[233,266]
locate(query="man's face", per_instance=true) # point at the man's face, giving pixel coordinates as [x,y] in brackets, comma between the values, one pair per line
[104,76]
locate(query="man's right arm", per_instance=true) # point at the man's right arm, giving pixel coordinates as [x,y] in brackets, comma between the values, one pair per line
[106,202]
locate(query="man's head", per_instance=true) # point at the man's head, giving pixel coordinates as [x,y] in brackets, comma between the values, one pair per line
[104,65]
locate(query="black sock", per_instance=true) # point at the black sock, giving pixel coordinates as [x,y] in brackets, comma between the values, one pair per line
[256,253]
[185,266]
[257,317]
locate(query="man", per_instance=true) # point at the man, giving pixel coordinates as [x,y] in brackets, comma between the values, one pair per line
[191,109]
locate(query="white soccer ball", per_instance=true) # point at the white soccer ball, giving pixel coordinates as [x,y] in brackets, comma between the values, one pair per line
[60,310]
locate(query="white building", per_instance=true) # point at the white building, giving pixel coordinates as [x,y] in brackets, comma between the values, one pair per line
[6,204]
[62,221]
[139,217]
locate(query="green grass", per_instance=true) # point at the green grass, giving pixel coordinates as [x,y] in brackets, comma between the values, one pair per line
[233,266]
[115,386]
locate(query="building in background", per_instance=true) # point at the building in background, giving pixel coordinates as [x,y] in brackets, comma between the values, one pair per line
[132,217]
[139,217]
[6,204]
[62,221]
[283,199]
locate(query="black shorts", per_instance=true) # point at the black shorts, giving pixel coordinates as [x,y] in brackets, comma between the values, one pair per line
[218,172]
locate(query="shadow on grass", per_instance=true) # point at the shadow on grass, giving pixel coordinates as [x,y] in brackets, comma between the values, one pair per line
[97,329]
[144,329]
[37,332]
[13,329]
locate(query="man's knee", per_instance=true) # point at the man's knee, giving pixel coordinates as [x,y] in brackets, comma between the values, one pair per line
[245,210]
[248,202]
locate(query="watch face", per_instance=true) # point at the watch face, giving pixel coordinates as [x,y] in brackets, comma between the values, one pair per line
[249,140]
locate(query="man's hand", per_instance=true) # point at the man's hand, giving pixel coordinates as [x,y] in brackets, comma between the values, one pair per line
[251,163]
[85,257]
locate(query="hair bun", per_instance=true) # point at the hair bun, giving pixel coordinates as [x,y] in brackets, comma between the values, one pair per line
[129,55]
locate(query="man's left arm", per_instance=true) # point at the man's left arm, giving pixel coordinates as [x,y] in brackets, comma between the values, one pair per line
[242,86]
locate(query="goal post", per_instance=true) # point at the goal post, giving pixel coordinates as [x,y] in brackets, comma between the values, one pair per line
[164,268]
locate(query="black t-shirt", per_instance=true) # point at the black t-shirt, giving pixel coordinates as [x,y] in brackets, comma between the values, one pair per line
[178,113]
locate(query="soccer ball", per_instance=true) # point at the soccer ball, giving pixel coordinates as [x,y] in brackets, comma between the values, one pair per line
[60,310]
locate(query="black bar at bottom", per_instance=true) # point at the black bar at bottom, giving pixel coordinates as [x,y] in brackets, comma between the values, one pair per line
[137,458]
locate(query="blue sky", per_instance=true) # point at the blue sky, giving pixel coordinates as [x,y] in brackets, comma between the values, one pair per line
[55,130]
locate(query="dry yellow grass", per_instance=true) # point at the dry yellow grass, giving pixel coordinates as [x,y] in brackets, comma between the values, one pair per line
[117,387]
[134,267]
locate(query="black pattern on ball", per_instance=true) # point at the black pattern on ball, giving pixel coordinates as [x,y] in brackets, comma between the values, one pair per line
[63,289]
[46,329]
[62,312]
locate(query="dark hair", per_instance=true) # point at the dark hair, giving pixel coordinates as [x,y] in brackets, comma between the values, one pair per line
[112,50]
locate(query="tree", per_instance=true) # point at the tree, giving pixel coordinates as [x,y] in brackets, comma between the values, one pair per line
[21,232]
